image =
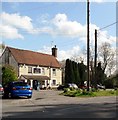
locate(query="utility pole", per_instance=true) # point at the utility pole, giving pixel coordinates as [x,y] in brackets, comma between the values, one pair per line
[95,59]
[88,49]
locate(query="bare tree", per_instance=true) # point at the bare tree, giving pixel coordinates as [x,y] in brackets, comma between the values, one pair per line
[80,57]
[112,67]
[77,58]
[106,56]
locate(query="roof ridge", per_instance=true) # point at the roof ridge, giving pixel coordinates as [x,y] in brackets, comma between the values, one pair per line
[37,58]
[30,51]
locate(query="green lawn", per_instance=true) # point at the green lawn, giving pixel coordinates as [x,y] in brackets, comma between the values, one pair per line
[85,93]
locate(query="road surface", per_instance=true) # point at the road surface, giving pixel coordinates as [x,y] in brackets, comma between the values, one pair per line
[49,104]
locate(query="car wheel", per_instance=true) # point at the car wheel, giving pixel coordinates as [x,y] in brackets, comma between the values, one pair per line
[5,96]
[29,96]
[10,95]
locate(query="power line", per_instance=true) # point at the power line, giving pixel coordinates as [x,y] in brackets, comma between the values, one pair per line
[108,25]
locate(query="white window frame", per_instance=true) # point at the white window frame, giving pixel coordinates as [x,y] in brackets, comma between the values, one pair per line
[54,71]
[43,71]
[37,70]
[29,69]
[54,82]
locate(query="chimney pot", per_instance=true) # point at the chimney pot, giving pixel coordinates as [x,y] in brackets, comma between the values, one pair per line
[54,51]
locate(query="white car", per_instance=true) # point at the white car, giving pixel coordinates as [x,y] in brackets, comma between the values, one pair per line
[73,85]
[100,86]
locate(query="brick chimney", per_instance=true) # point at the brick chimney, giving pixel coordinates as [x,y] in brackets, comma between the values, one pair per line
[54,51]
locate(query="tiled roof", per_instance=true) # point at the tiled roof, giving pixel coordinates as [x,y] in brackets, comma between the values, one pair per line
[34,58]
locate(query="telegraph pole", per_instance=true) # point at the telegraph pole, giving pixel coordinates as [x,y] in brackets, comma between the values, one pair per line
[88,49]
[95,59]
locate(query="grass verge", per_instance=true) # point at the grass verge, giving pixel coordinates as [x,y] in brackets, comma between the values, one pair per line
[85,93]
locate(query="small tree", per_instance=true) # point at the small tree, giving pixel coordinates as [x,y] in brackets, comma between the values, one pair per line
[8,74]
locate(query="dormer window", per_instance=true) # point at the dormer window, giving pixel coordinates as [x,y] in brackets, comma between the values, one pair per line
[43,71]
[37,70]
[54,71]
[29,69]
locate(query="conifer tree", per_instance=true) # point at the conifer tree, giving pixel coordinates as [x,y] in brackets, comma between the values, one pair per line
[82,72]
[67,72]
[72,76]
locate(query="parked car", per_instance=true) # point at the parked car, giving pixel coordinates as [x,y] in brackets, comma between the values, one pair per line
[18,89]
[61,87]
[100,86]
[74,86]
[85,87]
[69,85]
[1,89]
[82,86]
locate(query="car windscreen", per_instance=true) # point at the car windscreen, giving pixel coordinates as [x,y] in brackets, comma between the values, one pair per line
[20,84]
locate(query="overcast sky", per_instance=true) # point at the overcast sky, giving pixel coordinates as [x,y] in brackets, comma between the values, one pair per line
[39,25]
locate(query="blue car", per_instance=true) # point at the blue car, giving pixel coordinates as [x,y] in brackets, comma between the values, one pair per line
[18,89]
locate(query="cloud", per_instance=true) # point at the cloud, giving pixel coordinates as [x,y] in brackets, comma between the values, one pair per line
[15,20]
[103,36]
[45,49]
[62,54]
[65,27]
[69,28]
[9,32]
[62,26]
[74,53]
[12,23]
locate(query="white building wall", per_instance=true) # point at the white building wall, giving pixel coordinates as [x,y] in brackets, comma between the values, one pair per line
[57,77]
[23,70]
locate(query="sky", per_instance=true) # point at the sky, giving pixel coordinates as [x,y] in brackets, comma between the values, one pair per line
[38,26]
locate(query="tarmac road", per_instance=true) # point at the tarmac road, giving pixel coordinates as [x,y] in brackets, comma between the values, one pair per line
[49,104]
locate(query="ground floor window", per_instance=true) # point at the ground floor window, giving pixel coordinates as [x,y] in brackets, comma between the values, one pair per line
[53,82]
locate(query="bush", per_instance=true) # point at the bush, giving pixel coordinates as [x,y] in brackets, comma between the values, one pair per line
[79,92]
[94,90]
[109,83]
[66,90]
[85,93]
[111,92]
[8,74]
